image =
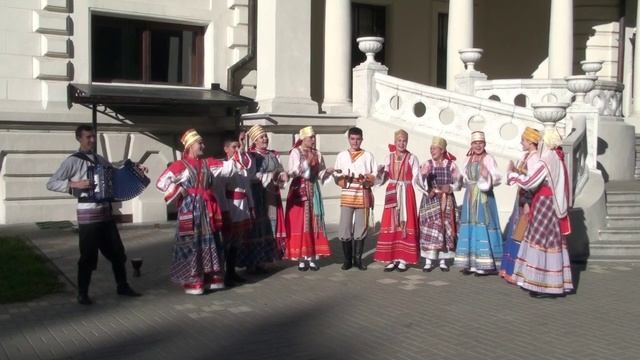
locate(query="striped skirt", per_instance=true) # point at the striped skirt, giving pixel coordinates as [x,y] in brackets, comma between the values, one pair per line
[543,260]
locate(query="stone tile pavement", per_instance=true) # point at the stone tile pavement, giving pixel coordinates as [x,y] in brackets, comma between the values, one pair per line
[329,314]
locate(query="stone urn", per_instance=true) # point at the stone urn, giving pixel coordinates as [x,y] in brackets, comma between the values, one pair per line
[591,67]
[549,113]
[470,57]
[370,45]
[581,85]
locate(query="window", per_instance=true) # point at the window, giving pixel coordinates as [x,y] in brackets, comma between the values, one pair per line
[367,20]
[441,60]
[136,51]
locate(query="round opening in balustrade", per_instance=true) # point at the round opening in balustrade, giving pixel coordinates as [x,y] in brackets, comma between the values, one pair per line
[573,99]
[508,131]
[521,100]
[476,123]
[395,103]
[494,97]
[447,116]
[549,98]
[419,109]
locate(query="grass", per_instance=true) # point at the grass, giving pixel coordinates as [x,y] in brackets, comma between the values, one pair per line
[24,274]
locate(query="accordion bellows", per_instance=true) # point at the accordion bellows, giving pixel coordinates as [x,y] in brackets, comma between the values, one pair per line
[117,184]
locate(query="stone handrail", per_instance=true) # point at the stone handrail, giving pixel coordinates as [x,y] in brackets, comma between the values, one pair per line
[575,148]
[450,114]
[606,96]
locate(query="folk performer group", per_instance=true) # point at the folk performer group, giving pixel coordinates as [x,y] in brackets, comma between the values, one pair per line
[230,211]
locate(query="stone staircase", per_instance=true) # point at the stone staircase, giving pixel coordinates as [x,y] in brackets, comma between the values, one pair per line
[637,173]
[620,239]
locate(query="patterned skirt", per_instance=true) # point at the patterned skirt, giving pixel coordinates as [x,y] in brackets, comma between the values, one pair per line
[543,260]
[479,239]
[437,228]
[197,257]
[266,240]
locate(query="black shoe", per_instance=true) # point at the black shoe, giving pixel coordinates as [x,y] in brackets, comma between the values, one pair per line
[466,272]
[84,299]
[537,295]
[402,269]
[486,273]
[314,267]
[304,267]
[128,291]
[390,268]
[257,270]
[429,269]
[237,278]
[444,268]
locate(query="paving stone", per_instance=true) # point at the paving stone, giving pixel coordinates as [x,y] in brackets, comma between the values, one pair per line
[438,283]
[387,281]
[240,309]
[288,316]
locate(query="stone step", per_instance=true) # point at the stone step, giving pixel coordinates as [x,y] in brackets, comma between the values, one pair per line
[620,235]
[623,221]
[615,249]
[622,196]
[623,208]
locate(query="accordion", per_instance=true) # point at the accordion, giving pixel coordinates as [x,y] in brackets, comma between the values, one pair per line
[116,184]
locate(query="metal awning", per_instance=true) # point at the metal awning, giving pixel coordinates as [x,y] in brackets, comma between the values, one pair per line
[122,101]
[151,97]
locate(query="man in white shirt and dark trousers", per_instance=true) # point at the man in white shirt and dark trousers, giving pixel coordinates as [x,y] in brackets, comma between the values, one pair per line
[96,226]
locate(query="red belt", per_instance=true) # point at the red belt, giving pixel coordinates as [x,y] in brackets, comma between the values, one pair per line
[236,195]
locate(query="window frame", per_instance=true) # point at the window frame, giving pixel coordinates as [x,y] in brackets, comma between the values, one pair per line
[148,26]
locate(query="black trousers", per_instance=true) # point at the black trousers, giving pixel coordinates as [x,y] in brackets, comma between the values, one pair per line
[101,236]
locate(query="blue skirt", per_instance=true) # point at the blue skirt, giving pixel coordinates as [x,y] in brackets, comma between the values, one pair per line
[479,238]
[510,250]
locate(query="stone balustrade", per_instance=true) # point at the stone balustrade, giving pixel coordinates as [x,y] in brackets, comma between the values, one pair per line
[450,114]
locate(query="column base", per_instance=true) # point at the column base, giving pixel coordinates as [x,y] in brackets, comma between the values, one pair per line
[337,107]
[288,105]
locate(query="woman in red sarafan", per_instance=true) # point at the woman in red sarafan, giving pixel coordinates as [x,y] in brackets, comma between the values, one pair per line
[304,214]
[398,240]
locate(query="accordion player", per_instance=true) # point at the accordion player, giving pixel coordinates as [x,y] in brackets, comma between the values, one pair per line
[109,183]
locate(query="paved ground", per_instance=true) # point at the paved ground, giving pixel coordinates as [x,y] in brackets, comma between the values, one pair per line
[329,314]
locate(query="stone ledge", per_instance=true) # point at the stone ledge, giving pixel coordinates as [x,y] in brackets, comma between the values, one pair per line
[52,23]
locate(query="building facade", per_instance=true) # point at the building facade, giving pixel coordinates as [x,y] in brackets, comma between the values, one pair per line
[301,62]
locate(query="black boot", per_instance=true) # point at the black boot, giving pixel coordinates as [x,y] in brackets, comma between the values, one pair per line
[231,278]
[357,256]
[84,278]
[120,274]
[347,249]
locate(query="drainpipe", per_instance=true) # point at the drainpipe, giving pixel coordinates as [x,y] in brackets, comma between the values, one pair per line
[247,63]
[621,41]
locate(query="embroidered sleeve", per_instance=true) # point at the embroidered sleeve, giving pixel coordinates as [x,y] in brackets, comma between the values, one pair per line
[420,180]
[169,182]
[534,177]
[456,177]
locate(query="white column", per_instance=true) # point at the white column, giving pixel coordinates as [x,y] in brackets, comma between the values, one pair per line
[561,39]
[284,57]
[635,111]
[460,36]
[337,56]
